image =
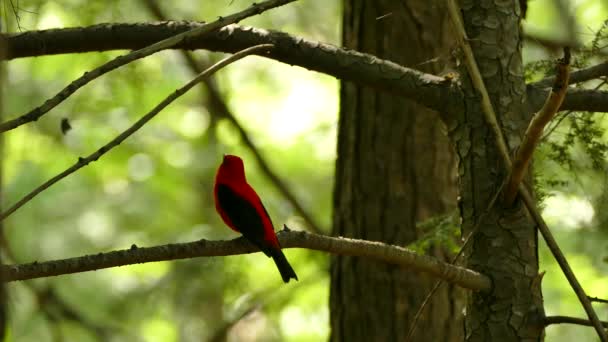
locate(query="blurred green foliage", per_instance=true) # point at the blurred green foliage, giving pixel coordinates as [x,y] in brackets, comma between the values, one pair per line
[156,188]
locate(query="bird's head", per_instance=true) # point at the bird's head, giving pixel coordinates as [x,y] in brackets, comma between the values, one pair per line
[232,166]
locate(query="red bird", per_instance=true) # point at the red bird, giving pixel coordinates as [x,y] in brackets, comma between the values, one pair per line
[242,210]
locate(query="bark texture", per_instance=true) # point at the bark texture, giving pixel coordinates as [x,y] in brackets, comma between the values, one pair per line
[395,167]
[506,247]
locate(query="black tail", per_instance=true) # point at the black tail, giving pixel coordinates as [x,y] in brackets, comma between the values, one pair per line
[283,265]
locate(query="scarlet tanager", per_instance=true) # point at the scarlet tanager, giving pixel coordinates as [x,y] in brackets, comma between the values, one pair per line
[242,210]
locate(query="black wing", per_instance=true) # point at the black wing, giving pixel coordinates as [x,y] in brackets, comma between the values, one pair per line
[243,215]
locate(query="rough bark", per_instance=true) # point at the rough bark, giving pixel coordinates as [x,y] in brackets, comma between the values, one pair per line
[395,167]
[340,63]
[506,247]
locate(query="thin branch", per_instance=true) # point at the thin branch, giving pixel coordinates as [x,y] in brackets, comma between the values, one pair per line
[525,195]
[136,126]
[376,250]
[536,127]
[578,76]
[571,320]
[51,103]
[429,90]
[220,107]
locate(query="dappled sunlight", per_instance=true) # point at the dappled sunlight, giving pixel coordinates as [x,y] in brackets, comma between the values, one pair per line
[568,211]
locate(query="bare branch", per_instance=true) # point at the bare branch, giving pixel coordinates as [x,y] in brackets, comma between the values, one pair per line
[429,90]
[36,113]
[570,320]
[490,116]
[134,128]
[536,127]
[578,76]
[220,107]
[344,64]
[377,250]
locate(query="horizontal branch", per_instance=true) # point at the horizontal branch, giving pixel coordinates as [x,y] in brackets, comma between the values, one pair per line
[429,90]
[349,65]
[204,248]
[578,76]
[580,100]
[571,320]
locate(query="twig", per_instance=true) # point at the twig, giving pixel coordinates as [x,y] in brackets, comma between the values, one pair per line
[598,300]
[525,195]
[536,127]
[49,104]
[136,126]
[221,108]
[376,250]
[571,320]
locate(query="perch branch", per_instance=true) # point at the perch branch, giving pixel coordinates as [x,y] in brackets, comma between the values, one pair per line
[136,126]
[391,254]
[536,127]
[220,106]
[490,115]
[51,103]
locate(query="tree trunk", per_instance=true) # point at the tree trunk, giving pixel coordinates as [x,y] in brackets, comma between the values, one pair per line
[395,167]
[505,247]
